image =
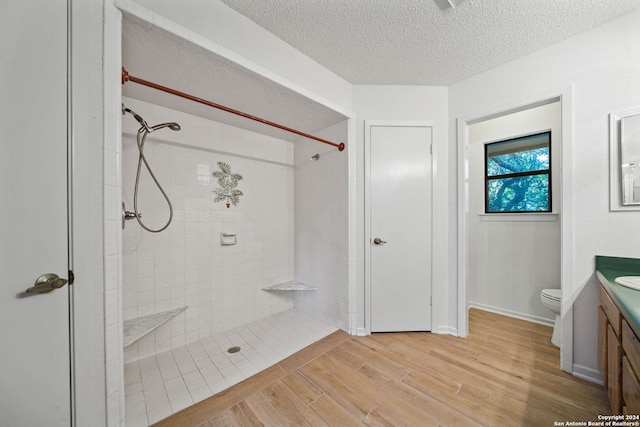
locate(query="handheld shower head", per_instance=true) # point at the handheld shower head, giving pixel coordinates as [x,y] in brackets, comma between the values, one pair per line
[145,126]
[170,125]
[143,132]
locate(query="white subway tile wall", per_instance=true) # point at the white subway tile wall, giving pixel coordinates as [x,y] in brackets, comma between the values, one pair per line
[185,360]
[186,265]
[321,232]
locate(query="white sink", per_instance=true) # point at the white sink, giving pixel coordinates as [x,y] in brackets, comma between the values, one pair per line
[632,282]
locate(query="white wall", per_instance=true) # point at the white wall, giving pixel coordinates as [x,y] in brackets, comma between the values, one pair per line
[603,77]
[98,381]
[513,257]
[321,227]
[111,198]
[410,103]
[185,265]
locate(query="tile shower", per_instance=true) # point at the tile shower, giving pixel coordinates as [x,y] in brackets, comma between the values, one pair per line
[192,264]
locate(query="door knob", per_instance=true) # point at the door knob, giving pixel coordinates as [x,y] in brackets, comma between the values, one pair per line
[378,241]
[47,283]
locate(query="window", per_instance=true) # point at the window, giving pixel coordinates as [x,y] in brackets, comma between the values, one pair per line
[518,174]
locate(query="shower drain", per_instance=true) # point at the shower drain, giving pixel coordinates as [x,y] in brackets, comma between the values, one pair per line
[233,349]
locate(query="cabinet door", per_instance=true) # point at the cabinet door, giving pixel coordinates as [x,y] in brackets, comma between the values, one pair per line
[602,345]
[631,346]
[630,388]
[611,310]
[614,367]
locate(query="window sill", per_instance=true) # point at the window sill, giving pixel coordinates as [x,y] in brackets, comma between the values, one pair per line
[519,217]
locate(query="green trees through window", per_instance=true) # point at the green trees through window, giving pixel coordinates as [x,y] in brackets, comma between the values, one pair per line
[518,174]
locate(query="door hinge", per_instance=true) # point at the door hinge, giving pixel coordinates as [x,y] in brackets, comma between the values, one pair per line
[431,149]
[430,300]
[71,277]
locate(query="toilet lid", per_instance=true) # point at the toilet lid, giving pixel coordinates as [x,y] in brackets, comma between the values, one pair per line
[554,294]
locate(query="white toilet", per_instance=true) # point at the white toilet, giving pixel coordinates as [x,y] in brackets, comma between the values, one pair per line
[552,299]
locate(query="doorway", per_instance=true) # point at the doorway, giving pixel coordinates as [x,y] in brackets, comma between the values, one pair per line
[563,175]
[514,250]
[398,212]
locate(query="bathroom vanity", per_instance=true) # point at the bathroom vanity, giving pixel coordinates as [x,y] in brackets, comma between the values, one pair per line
[618,332]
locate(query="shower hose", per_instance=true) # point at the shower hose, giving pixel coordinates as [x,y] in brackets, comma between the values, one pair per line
[142,135]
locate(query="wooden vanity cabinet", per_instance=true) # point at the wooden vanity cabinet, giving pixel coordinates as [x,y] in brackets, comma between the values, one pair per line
[610,350]
[618,357]
[630,369]
[603,345]
[630,388]
[614,370]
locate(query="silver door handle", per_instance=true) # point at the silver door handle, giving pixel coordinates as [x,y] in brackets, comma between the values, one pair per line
[378,241]
[47,283]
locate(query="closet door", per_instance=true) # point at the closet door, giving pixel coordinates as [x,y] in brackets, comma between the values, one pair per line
[400,211]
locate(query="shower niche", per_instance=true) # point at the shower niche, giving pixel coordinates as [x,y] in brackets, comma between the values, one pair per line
[193,280]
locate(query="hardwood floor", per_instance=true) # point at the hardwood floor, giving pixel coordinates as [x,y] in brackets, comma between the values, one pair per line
[505,373]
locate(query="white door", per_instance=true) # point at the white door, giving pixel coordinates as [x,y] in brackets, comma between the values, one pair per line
[34,328]
[400,227]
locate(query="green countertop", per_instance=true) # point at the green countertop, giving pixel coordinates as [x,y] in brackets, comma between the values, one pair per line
[627,299]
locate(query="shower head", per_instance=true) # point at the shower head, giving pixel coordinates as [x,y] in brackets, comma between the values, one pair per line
[145,126]
[170,125]
[315,157]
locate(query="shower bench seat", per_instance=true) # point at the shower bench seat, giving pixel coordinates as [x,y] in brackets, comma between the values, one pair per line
[290,286]
[135,329]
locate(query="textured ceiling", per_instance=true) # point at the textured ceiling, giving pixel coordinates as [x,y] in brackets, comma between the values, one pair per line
[416,42]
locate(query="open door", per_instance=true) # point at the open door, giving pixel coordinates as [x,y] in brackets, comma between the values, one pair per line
[35,389]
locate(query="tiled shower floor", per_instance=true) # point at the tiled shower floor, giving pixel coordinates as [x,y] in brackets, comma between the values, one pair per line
[160,385]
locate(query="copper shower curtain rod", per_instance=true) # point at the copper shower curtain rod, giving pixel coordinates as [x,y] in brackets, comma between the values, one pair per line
[126,77]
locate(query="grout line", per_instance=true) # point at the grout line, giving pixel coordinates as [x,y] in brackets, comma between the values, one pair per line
[265,343]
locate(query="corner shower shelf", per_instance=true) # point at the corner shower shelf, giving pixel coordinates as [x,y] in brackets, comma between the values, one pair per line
[135,329]
[290,286]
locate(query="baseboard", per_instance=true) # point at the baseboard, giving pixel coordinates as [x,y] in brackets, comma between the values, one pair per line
[589,374]
[446,330]
[511,313]
[361,332]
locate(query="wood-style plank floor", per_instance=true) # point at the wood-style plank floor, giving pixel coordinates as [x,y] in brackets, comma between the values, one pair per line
[505,373]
